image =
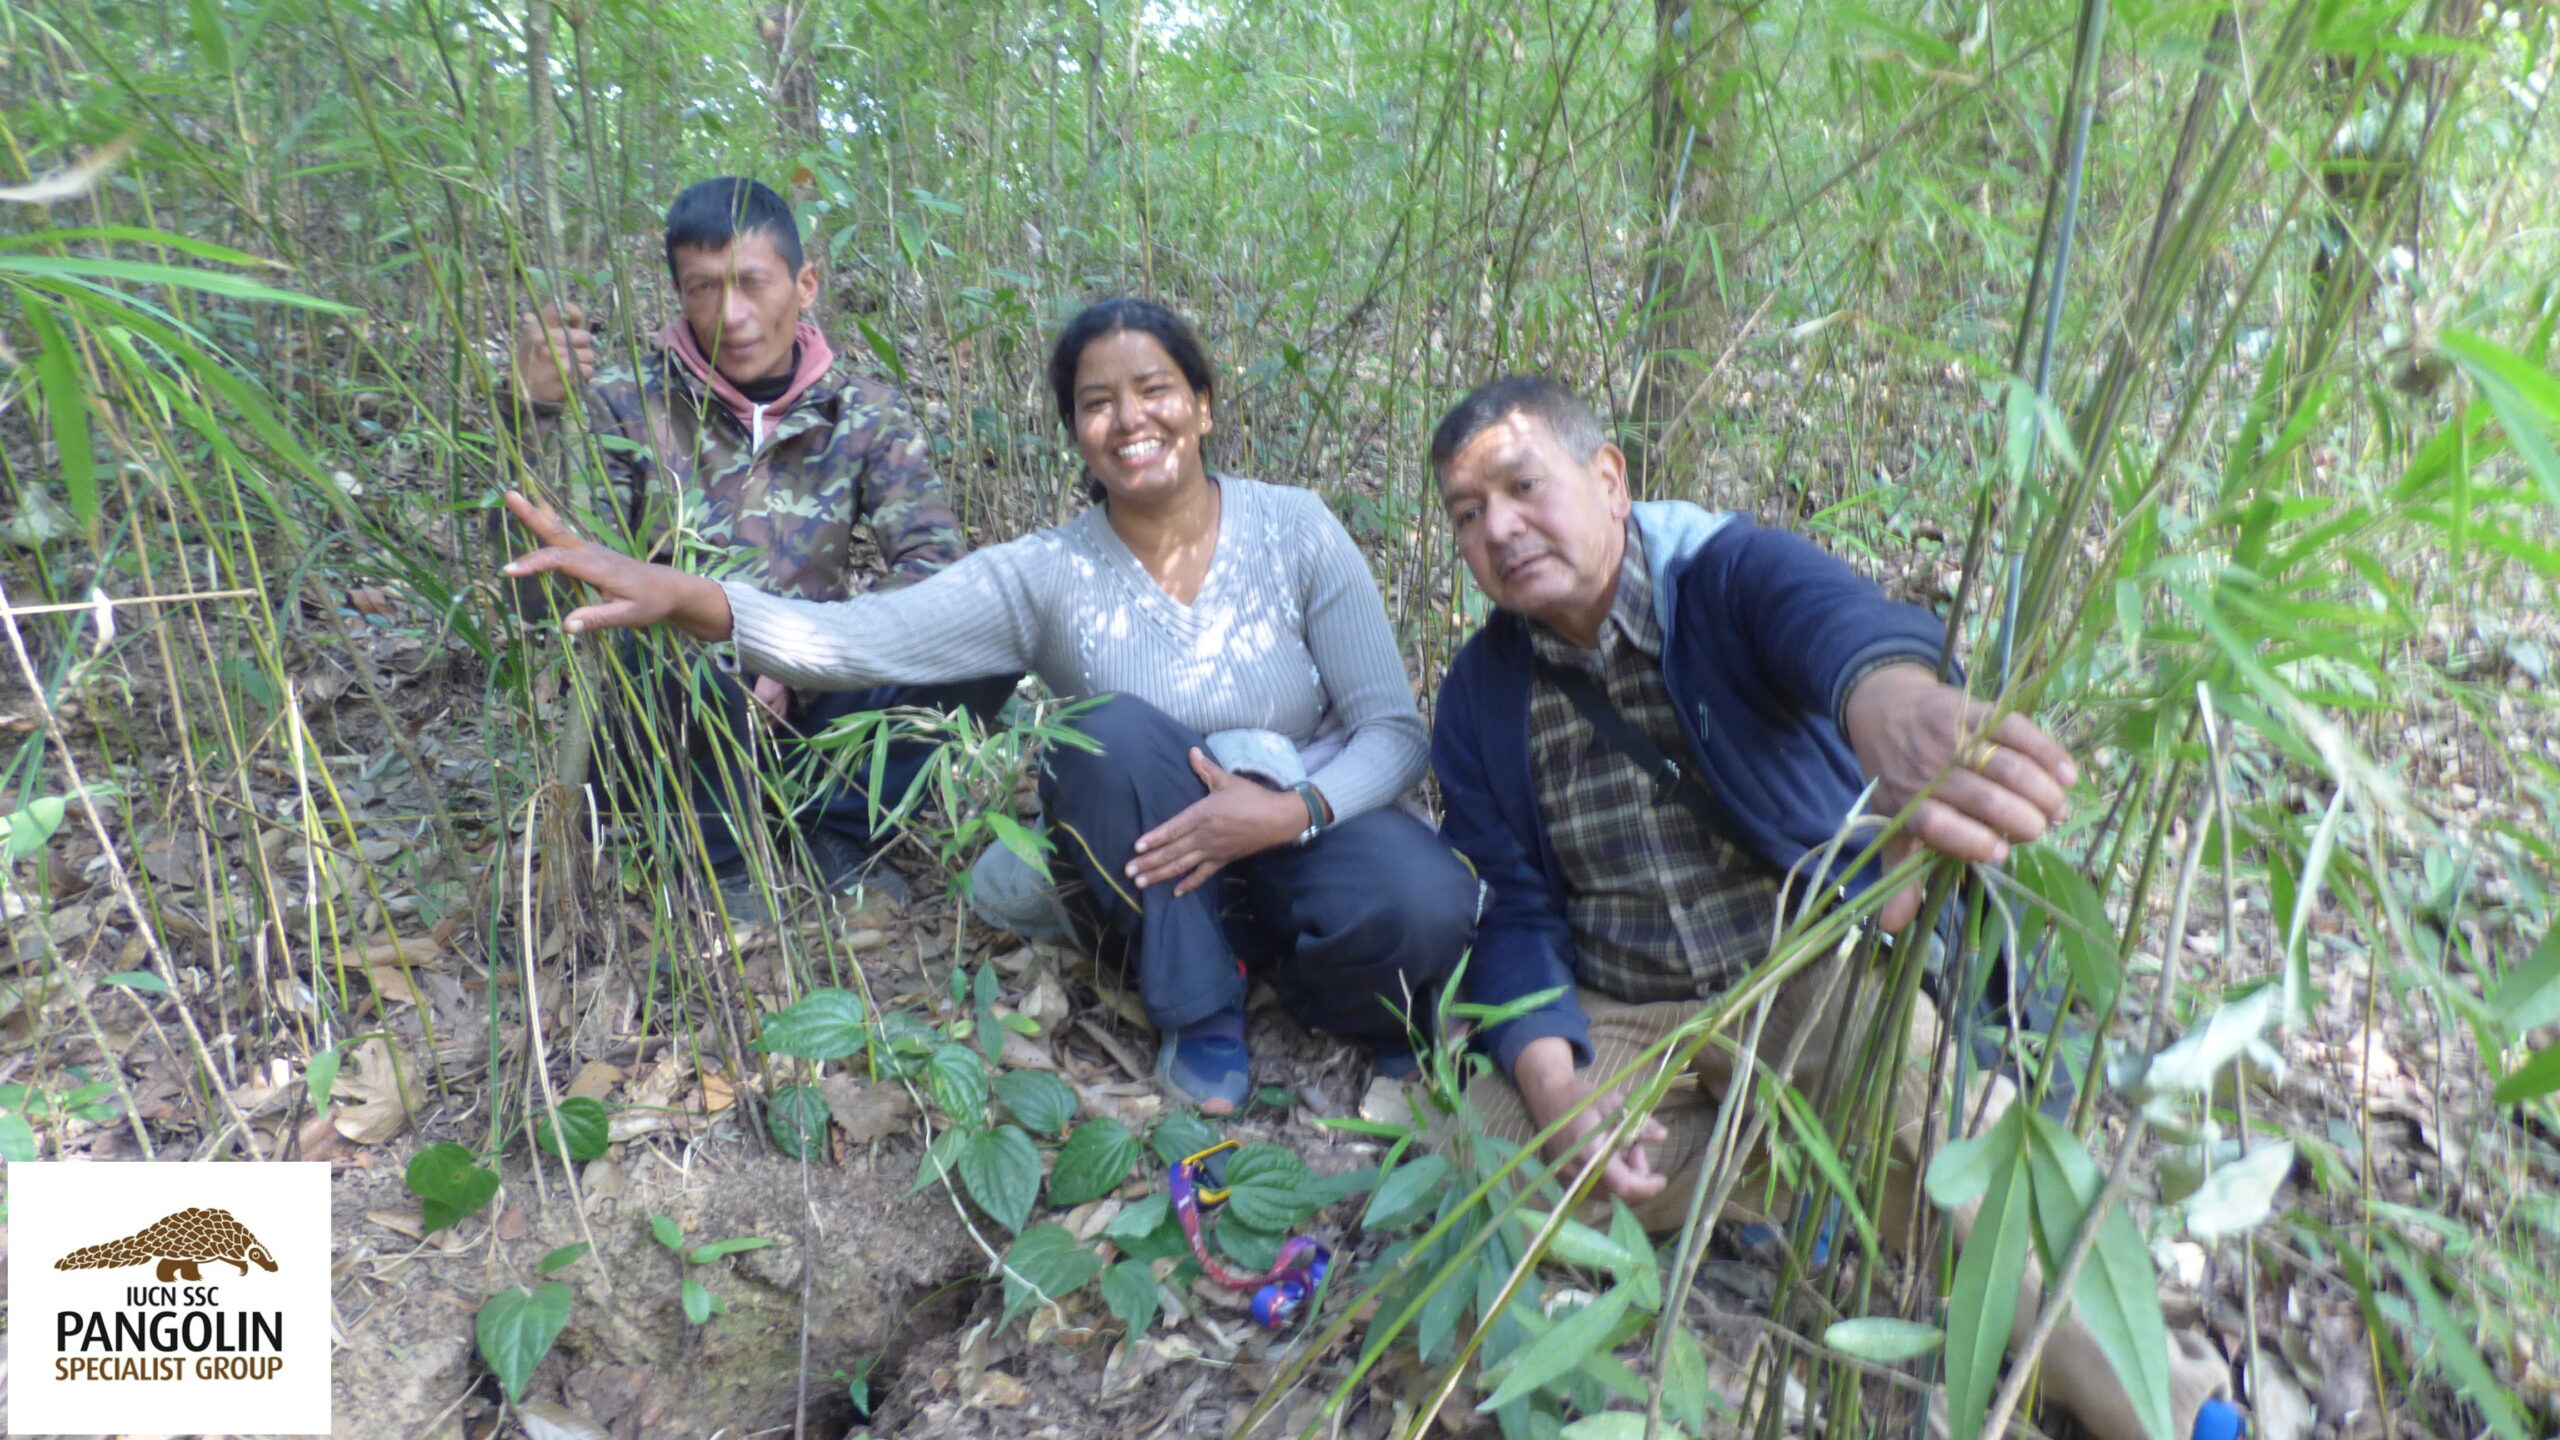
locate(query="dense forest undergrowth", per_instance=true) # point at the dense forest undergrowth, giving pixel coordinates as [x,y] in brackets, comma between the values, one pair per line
[2194,361]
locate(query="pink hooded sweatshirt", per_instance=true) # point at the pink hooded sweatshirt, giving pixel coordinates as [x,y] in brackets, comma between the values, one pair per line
[815,357]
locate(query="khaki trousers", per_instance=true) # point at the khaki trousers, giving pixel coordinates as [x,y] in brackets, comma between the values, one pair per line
[1835,1022]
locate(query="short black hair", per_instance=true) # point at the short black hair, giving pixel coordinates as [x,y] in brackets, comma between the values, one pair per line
[1110,317]
[713,214]
[1535,396]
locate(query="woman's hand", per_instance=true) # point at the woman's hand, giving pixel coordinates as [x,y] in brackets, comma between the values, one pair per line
[632,593]
[1235,819]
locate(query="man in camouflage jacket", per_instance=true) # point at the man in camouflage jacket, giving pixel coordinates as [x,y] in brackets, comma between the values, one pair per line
[736,445]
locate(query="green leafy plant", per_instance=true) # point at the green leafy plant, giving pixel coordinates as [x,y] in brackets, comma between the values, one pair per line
[696,1299]
[516,1328]
[450,1184]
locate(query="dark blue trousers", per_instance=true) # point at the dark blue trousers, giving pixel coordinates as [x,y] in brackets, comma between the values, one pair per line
[707,708]
[1355,930]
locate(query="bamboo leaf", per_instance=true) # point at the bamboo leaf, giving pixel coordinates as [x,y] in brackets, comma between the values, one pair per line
[2532,1080]
[1562,1349]
[1983,1303]
[1883,1339]
[2455,1351]
[2117,1295]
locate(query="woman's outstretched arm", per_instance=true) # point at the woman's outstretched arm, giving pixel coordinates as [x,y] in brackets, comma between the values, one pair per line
[981,616]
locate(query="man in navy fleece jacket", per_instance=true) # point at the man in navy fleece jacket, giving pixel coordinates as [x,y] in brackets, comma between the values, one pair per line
[1783,684]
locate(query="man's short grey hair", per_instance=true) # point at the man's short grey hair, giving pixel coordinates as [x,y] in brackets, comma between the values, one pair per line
[1535,396]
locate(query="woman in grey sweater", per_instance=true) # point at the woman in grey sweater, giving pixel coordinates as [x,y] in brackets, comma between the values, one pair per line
[1208,614]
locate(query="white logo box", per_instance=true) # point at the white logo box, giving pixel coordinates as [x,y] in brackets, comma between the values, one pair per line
[167,1334]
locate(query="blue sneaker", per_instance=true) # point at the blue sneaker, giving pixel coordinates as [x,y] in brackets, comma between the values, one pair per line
[2218,1420]
[1204,1065]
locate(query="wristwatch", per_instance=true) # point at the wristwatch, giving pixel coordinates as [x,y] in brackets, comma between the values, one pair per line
[1306,790]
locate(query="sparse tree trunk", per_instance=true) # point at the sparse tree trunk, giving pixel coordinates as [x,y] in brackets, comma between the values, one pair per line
[1697,51]
[546,131]
[792,84]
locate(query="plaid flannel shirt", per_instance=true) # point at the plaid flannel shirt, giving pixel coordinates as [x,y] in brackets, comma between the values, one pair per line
[1661,906]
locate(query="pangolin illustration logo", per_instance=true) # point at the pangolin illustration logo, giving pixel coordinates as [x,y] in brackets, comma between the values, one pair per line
[181,1243]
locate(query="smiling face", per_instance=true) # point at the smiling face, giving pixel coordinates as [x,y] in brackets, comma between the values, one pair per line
[1137,421]
[1542,531]
[744,304]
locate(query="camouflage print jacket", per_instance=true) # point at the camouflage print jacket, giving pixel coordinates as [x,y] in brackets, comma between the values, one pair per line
[704,480]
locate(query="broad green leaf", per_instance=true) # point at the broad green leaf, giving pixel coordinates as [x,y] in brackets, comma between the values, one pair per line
[2528,997]
[2532,1080]
[1883,1339]
[516,1328]
[797,1116]
[34,823]
[1045,1264]
[450,1185]
[824,1025]
[2118,1294]
[722,1249]
[17,1137]
[136,980]
[698,1301]
[583,1122]
[2454,1348]
[666,1231]
[1129,1291]
[1025,842]
[1407,1194]
[1095,1159]
[1252,1248]
[1984,1300]
[1002,1173]
[561,1258]
[1180,1135]
[1268,1188]
[1562,1349]
[2237,1196]
[2079,920]
[1041,1101]
[1626,1233]
[1963,1169]
[958,1080]
[320,1077]
[84,269]
[1139,1217]
[940,1156]
[1687,1395]
[66,405]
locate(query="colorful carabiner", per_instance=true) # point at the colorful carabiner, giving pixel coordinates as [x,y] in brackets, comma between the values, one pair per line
[1279,1292]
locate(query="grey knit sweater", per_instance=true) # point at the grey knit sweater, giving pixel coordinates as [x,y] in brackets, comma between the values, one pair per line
[1287,634]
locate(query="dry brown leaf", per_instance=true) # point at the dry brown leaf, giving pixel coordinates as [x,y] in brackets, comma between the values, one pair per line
[366,600]
[376,1086]
[545,1420]
[412,1223]
[867,1111]
[718,1093]
[393,986]
[603,1180]
[510,1224]
[595,1081]
[396,951]
[996,1389]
